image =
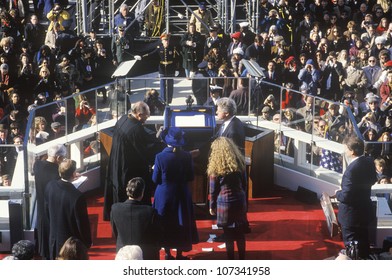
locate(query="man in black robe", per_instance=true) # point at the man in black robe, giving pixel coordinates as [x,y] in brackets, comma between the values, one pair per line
[132,155]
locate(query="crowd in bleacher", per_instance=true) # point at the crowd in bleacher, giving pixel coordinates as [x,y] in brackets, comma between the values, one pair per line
[336,50]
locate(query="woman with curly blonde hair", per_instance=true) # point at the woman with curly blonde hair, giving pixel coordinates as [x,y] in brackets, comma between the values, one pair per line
[226,168]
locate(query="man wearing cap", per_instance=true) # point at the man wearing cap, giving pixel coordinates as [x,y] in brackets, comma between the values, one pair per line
[202,18]
[168,66]
[121,46]
[200,83]
[213,41]
[248,36]
[192,43]
[374,108]
[215,94]
[379,43]
[356,80]
[90,40]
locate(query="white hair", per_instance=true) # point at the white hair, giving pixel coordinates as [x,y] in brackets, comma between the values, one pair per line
[57,150]
[129,252]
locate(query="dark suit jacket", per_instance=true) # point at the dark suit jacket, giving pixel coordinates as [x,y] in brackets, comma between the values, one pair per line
[136,224]
[66,209]
[355,207]
[236,132]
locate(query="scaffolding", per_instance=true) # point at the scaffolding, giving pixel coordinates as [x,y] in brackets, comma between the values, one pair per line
[99,14]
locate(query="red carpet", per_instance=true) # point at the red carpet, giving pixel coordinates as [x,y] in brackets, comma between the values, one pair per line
[282,229]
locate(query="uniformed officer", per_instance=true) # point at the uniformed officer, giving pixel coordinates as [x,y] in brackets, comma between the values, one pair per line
[121,46]
[168,66]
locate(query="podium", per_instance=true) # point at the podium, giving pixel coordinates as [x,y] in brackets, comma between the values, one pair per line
[259,155]
[198,123]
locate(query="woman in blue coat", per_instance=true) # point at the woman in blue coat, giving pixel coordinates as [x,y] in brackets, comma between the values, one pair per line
[173,170]
[225,169]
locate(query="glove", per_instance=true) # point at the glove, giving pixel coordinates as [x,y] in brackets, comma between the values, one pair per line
[138,57]
[176,73]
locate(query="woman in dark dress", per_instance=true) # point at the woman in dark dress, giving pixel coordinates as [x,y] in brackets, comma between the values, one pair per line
[173,169]
[227,196]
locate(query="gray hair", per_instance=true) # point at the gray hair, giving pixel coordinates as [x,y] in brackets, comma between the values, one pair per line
[139,107]
[227,105]
[129,252]
[57,150]
[123,6]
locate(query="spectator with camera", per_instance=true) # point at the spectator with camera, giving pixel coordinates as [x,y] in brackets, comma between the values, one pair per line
[83,113]
[45,84]
[154,102]
[57,14]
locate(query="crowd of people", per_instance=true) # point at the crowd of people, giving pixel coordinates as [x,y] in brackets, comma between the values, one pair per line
[334,50]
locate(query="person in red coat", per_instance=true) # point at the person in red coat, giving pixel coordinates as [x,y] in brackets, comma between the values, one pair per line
[386,87]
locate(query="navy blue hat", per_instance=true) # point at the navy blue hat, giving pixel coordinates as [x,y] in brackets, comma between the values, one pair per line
[202,5]
[174,136]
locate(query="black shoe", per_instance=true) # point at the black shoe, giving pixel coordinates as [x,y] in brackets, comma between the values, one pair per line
[220,238]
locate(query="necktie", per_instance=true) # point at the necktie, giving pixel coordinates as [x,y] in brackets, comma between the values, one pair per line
[221,129]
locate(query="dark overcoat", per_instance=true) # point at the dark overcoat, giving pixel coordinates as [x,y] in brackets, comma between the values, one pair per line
[44,172]
[66,209]
[192,55]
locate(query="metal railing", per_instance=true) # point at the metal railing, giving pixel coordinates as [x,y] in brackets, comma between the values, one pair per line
[298,144]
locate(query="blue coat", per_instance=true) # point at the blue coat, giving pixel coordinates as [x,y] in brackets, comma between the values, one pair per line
[173,200]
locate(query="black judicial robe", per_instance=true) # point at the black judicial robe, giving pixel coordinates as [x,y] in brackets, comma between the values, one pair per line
[131,156]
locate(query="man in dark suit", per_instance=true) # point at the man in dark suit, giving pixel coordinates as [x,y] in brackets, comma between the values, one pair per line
[134,223]
[232,127]
[66,209]
[355,208]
